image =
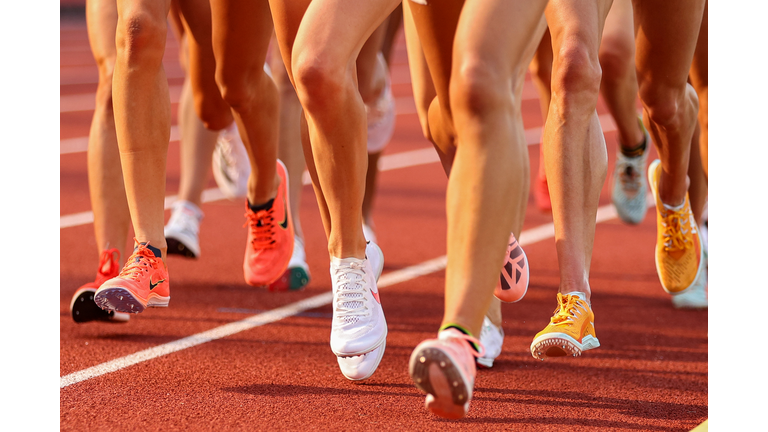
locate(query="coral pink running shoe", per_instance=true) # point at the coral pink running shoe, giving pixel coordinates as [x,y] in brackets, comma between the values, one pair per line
[444,369]
[270,237]
[513,281]
[142,283]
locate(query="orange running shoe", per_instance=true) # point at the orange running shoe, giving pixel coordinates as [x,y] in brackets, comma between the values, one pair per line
[678,243]
[570,331]
[82,307]
[142,283]
[270,237]
[513,281]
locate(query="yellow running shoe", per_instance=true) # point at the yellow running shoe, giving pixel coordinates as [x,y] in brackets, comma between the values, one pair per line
[570,331]
[678,243]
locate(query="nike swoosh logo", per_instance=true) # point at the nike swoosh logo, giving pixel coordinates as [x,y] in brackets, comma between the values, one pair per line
[376,296]
[284,223]
[153,285]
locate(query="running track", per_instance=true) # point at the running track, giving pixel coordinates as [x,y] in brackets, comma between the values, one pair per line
[226,356]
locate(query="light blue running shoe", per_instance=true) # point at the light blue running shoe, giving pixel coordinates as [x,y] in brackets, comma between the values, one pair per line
[630,186]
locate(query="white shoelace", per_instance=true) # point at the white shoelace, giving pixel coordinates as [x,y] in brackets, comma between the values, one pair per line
[350,292]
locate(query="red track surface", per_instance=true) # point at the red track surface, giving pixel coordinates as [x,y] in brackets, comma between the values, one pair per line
[650,372]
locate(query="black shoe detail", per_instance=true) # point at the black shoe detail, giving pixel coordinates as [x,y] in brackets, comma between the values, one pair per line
[516,252]
[504,285]
[85,309]
[176,247]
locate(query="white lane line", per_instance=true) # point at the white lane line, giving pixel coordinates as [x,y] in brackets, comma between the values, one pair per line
[87,101]
[404,105]
[80,144]
[84,218]
[434,265]
[387,162]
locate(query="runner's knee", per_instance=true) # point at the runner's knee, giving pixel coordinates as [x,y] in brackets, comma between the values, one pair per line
[665,104]
[141,39]
[238,85]
[575,78]
[318,80]
[479,88]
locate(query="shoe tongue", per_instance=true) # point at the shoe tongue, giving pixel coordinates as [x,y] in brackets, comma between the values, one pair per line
[578,294]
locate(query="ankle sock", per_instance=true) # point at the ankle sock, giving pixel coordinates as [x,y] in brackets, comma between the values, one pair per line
[463,330]
[635,151]
[156,251]
[266,206]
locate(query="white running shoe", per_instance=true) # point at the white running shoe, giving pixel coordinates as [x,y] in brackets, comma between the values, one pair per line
[492,338]
[630,185]
[231,166]
[695,297]
[358,329]
[369,234]
[183,228]
[381,116]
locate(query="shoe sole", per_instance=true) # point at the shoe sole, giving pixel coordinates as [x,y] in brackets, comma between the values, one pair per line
[177,247]
[561,345]
[293,279]
[84,309]
[122,300]
[379,355]
[435,373]
[691,306]
[484,363]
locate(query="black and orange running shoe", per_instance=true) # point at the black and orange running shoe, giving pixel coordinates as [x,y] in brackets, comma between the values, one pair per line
[83,308]
[513,280]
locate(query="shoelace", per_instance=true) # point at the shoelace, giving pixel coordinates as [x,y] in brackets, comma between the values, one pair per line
[262,225]
[139,263]
[107,266]
[567,310]
[350,292]
[676,230]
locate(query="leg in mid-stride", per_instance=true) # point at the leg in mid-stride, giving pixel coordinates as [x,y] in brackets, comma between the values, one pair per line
[476,124]
[576,164]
